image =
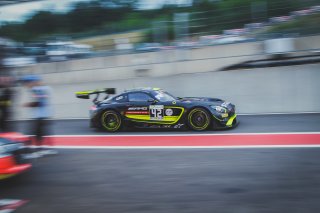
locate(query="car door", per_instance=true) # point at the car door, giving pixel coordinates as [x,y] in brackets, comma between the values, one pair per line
[142,107]
[138,105]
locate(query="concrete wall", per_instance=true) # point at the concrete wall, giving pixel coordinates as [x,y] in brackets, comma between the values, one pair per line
[220,56]
[185,73]
[217,57]
[310,42]
[280,89]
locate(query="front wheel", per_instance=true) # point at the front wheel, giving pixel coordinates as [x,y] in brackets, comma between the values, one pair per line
[199,119]
[111,121]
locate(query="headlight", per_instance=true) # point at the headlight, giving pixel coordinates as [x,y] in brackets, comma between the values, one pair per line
[219,109]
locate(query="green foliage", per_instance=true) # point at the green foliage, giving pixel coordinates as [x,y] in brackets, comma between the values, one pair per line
[85,16]
[303,26]
[115,16]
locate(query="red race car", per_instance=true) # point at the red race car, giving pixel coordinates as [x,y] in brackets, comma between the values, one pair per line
[11,154]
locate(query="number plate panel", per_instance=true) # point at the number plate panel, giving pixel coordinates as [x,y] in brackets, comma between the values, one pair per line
[156,112]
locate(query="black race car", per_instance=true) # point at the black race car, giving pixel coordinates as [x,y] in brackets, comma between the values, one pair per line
[156,108]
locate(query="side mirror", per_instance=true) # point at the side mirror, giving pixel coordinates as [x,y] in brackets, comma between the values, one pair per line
[151,100]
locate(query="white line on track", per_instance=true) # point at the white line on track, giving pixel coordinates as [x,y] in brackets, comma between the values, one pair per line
[189,134]
[188,147]
[278,113]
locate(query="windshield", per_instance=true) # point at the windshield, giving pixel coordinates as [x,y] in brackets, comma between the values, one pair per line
[163,96]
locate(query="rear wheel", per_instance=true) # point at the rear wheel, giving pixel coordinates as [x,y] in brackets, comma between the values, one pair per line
[199,119]
[111,121]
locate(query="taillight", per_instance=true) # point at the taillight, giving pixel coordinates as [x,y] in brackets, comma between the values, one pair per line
[94,107]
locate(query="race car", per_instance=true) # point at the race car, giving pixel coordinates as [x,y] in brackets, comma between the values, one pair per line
[11,154]
[156,108]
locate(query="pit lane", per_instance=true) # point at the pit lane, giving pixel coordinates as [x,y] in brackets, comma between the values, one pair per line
[176,180]
[273,123]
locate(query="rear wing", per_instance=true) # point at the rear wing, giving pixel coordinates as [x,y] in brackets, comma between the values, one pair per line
[86,94]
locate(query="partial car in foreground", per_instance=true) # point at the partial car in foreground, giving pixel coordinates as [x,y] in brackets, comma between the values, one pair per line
[156,108]
[11,155]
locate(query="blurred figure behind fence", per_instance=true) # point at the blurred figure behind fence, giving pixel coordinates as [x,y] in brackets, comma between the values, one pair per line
[6,92]
[41,111]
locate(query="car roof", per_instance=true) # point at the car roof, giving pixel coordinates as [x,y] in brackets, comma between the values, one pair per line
[143,89]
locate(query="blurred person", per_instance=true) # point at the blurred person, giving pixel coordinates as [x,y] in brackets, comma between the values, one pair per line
[41,112]
[6,94]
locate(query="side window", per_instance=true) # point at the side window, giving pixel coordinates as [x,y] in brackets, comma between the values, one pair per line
[138,97]
[120,98]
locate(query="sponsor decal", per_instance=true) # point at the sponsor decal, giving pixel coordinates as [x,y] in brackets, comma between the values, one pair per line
[159,96]
[224,115]
[178,126]
[169,112]
[137,108]
[160,126]
[225,104]
[10,205]
[119,98]
[137,113]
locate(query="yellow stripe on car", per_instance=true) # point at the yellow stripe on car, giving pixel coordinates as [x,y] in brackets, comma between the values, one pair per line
[6,176]
[166,119]
[230,121]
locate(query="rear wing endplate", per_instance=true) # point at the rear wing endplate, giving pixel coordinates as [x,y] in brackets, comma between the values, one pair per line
[86,94]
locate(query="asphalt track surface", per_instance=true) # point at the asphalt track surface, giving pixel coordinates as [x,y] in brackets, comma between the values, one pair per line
[175,180]
[248,124]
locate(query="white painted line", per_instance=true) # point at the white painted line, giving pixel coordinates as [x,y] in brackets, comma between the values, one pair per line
[189,147]
[277,113]
[188,134]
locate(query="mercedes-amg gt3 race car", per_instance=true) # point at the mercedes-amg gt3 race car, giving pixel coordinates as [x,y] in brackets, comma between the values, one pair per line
[156,108]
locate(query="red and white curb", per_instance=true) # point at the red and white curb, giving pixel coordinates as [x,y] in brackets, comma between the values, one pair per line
[235,140]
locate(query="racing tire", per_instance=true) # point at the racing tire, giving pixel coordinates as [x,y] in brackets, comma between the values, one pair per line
[199,119]
[111,121]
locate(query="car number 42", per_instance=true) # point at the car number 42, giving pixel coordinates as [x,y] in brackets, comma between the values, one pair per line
[156,112]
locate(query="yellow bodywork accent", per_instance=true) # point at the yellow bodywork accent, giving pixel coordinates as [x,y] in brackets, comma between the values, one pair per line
[5,103]
[229,123]
[147,117]
[83,93]
[217,118]
[224,115]
[166,119]
[6,176]
[88,92]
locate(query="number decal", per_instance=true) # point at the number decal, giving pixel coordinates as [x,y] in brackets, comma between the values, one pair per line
[156,112]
